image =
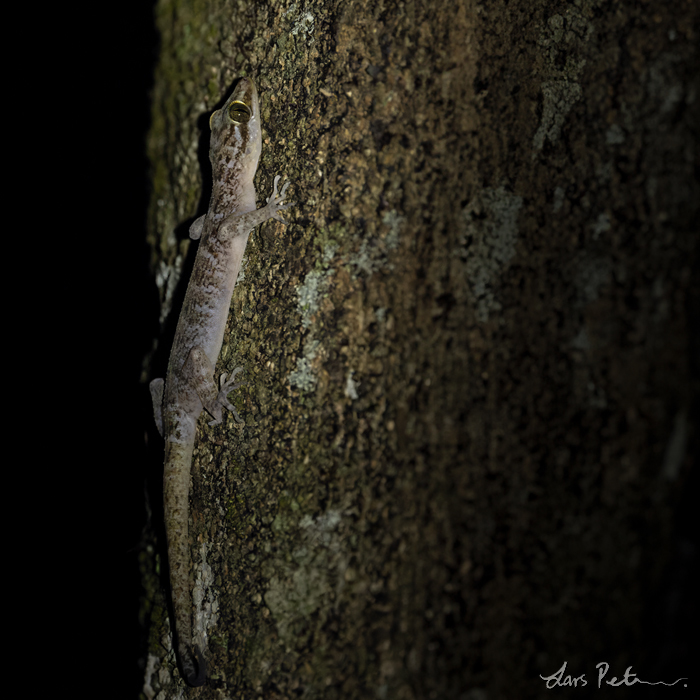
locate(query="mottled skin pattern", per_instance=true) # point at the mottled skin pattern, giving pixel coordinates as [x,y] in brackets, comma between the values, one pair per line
[190,388]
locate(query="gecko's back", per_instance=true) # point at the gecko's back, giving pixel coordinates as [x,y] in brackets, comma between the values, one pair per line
[234,152]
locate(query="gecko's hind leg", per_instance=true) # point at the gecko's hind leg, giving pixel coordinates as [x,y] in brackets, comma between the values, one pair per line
[196,228]
[199,370]
[225,388]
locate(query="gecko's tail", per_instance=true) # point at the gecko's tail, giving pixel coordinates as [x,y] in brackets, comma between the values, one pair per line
[194,672]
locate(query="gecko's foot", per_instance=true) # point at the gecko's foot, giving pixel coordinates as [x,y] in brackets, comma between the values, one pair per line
[276,201]
[226,387]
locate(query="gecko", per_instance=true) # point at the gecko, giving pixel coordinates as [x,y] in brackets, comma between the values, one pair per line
[189,386]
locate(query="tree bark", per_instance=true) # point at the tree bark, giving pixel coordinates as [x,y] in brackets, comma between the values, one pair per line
[472,376]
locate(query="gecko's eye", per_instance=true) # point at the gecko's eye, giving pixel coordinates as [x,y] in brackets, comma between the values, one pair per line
[239,112]
[211,119]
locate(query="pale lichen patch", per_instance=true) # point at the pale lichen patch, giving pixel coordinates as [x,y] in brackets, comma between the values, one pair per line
[489,244]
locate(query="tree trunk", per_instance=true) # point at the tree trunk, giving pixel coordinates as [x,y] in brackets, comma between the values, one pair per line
[470,379]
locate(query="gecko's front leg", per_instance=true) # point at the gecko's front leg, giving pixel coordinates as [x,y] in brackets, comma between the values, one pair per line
[241,224]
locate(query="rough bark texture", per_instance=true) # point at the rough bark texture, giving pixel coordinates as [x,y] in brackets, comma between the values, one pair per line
[468,418]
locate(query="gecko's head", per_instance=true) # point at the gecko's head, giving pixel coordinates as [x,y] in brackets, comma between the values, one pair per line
[236,138]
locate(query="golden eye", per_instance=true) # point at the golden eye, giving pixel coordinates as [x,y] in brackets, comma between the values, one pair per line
[211,119]
[239,112]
